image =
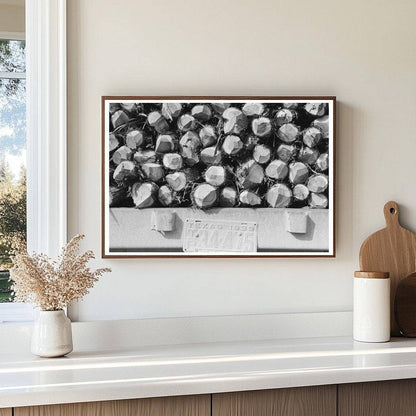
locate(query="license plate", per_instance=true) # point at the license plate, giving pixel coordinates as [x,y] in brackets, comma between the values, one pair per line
[219,236]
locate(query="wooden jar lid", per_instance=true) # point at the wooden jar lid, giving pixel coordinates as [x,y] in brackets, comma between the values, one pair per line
[372,275]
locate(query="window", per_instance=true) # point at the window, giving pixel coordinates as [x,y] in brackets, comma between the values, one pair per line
[12,154]
[45,91]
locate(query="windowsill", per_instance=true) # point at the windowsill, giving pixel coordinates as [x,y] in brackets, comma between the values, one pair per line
[16,313]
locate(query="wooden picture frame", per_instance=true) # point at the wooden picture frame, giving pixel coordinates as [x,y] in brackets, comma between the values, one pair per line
[281,228]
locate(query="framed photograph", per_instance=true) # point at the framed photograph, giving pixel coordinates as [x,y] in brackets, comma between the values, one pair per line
[218,176]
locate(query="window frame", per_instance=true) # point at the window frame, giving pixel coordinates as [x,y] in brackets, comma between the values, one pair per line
[46,126]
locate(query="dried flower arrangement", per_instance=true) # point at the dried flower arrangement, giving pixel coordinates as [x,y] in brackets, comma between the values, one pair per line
[53,284]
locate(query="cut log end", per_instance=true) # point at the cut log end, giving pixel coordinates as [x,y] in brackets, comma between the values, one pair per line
[249,198]
[308,155]
[235,121]
[318,201]
[119,118]
[144,194]
[277,169]
[145,156]
[250,175]
[262,154]
[228,197]
[285,115]
[232,145]
[322,124]
[288,133]
[286,152]
[122,154]
[165,143]
[158,122]
[134,139]
[261,127]
[205,196]
[129,107]
[190,156]
[300,192]
[166,196]
[318,183]
[298,173]
[201,112]
[279,196]
[316,109]
[253,109]
[322,163]
[124,171]
[177,181]
[211,156]
[113,142]
[208,136]
[312,136]
[186,122]
[172,161]
[171,110]
[153,171]
[190,140]
[216,176]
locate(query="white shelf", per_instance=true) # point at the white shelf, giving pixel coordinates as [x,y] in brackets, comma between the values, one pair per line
[150,371]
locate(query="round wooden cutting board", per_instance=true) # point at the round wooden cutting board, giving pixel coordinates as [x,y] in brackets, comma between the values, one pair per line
[393,250]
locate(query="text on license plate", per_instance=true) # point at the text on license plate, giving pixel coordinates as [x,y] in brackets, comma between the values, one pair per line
[219,236]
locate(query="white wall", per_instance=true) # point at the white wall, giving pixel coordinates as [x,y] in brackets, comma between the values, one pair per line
[361,51]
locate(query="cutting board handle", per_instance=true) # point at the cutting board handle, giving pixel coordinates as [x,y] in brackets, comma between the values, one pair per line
[391,213]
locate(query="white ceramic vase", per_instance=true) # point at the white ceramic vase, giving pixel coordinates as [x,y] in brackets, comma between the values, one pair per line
[52,334]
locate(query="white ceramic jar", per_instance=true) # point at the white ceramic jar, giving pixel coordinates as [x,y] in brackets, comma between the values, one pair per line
[371,313]
[52,334]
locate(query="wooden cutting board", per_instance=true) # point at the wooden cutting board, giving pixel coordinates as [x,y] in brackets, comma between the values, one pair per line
[393,250]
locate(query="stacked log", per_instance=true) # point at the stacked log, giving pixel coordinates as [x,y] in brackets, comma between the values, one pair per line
[153,171]
[216,176]
[228,197]
[165,143]
[262,154]
[211,156]
[171,110]
[202,112]
[144,156]
[277,169]
[205,196]
[250,175]
[219,154]
[249,198]
[144,194]
[261,126]
[158,122]
[134,139]
[279,196]
[232,145]
[177,181]
[166,196]
[253,109]
[121,154]
[208,136]
[172,161]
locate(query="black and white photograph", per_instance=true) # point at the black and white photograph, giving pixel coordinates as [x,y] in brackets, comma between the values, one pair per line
[218,176]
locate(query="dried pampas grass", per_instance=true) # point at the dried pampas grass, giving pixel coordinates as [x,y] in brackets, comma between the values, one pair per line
[53,285]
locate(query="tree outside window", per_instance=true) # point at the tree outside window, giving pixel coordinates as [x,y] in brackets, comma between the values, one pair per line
[12,156]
